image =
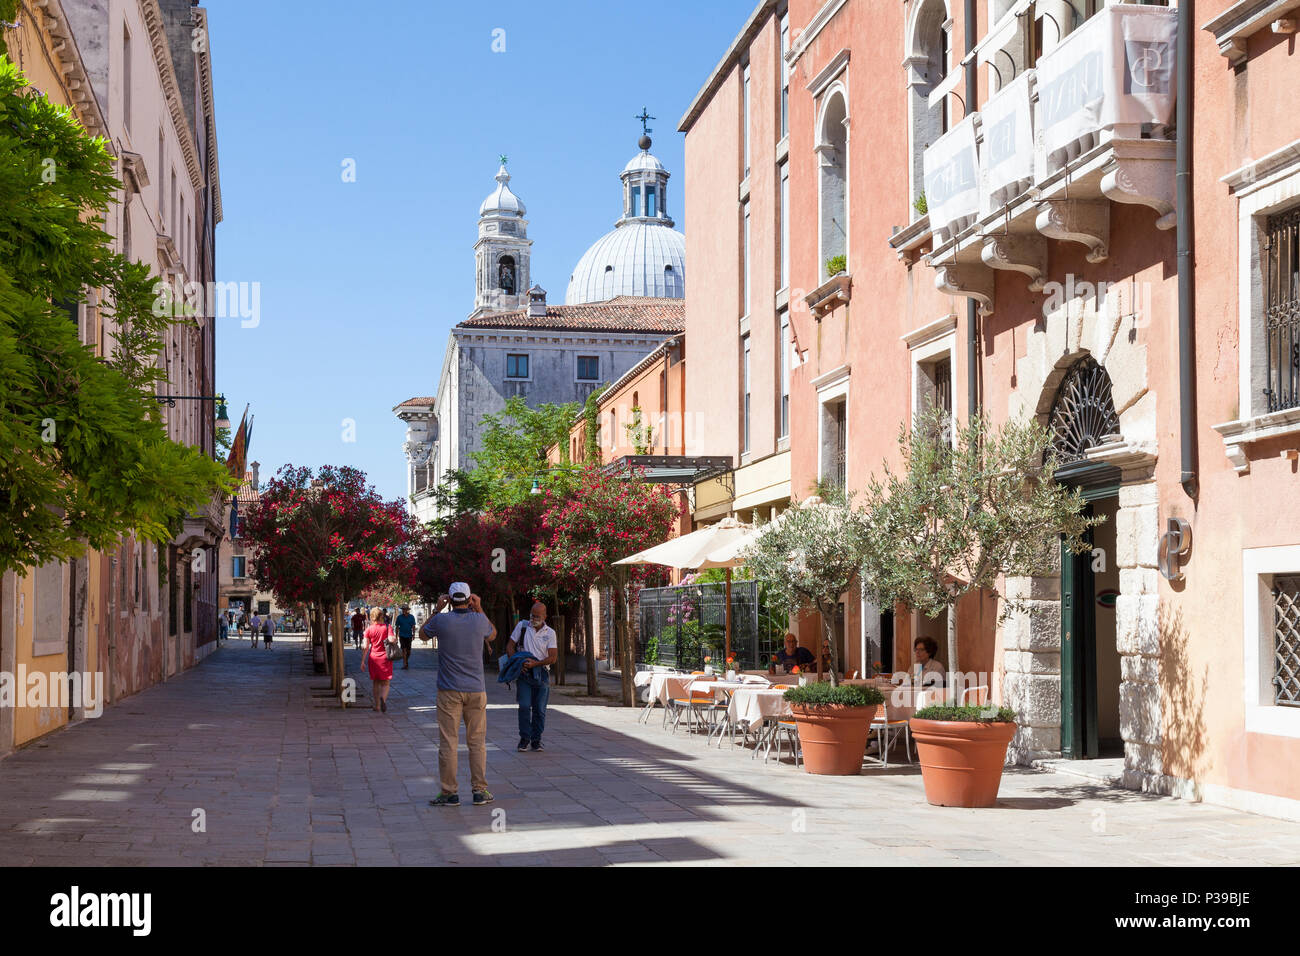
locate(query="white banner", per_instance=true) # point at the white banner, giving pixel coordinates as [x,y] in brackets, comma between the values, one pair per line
[1008,153]
[952,176]
[1116,68]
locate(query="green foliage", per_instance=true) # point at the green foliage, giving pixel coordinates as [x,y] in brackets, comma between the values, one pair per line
[920,204]
[8,14]
[809,556]
[967,713]
[640,436]
[591,430]
[825,694]
[514,451]
[84,452]
[836,264]
[959,519]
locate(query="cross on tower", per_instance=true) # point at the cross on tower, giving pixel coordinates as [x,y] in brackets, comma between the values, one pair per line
[644,117]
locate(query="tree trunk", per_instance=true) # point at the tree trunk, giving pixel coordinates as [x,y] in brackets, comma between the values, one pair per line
[627,662]
[952,639]
[828,629]
[340,609]
[590,639]
[561,641]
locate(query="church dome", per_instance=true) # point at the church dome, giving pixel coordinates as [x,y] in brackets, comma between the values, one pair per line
[642,255]
[502,201]
[637,258]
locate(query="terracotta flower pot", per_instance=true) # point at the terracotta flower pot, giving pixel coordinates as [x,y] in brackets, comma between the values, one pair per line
[961,761]
[833,738]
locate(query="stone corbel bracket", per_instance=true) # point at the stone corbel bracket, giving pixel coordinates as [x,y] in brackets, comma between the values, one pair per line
[1142,171]
[974,282]
[1086,221]
[1027,254]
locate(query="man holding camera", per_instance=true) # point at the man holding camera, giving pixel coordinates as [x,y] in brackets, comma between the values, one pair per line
[462,694]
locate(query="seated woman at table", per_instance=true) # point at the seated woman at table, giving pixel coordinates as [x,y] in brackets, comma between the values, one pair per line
[793,654]
[927,672]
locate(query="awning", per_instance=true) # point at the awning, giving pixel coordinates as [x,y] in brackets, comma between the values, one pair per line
[678,470]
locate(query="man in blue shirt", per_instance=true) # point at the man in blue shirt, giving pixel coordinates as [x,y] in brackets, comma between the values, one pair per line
[462,694]
[405,625]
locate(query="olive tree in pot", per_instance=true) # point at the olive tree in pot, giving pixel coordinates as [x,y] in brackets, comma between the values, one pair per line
[808,556]
[968,511]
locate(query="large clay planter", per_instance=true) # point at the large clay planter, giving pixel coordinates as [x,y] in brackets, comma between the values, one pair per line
[833,737]
[961,760]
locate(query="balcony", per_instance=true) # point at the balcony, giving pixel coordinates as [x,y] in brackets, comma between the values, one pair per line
[1048,153]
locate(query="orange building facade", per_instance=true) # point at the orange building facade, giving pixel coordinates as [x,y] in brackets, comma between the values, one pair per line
[1002,180]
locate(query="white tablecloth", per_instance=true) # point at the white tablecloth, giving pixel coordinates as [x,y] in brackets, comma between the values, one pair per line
[755,704]
[664,687]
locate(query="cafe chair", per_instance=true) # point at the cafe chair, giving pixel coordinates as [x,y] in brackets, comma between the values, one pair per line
[785,730]
[980,695]
[887,733]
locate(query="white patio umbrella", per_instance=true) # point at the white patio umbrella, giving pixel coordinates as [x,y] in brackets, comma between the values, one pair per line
[716,546]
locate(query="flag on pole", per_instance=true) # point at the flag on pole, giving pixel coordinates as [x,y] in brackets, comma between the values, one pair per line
[237,460]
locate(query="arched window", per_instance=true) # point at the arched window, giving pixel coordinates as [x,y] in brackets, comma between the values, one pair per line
[928,63]
[1083,414]
[833,178]
[506,274]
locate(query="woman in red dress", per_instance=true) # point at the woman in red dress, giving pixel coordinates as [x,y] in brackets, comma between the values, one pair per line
[381,668]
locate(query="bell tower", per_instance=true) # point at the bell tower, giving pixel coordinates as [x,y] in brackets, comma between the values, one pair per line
[501,252]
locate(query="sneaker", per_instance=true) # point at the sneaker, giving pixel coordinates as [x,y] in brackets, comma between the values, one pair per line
[481,797]
[523,744]
[537,745]
[446,799]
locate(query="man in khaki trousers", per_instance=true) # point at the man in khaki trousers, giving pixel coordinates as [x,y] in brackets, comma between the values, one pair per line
[462,695]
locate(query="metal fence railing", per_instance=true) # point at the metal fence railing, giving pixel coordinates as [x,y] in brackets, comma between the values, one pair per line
[680,626]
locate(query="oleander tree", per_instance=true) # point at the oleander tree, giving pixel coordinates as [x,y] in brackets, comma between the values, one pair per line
[84,449]
[965,515]
[605,518]
[325,537]
[808,556]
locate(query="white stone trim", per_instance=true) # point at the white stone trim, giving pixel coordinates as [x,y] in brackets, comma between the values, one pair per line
[1262,188]
[933,348]
[829,73]
[1258,565]
[814,27]
[928,333]
[1234,26]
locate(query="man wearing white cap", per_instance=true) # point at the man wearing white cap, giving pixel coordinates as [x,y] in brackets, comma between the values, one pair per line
[462,693]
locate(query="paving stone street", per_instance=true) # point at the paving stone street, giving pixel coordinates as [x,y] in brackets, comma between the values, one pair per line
[281,778]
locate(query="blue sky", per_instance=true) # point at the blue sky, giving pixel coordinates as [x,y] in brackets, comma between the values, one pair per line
[361,281]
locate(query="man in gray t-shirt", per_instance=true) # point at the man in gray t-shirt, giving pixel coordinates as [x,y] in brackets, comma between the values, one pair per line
[461,634]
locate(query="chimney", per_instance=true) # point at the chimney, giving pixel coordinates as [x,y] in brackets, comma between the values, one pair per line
[255,465]
[536,301]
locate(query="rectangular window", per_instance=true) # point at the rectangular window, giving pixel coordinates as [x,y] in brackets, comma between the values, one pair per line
[237,566]
[783,345]
[1282,309]
[158,180]
[636,200]
[1286,640]
[837,425]
[516,366]
[744,428]
[126,80]
[588,368]
[650,201]
[744,264]
[172,204]
[785,225]
[745,121]
[785,76]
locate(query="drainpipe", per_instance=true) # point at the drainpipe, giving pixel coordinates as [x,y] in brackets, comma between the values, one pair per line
[972,315]
[1186,243]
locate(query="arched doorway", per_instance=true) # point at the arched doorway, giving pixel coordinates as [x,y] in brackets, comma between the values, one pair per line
[833,177]
[1082,417]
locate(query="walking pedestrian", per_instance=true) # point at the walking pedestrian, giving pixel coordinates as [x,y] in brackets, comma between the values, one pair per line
[358,625]
[268,630]
[222,632]
[406,634]
[533,688]
[254,629]
[462,635]
[376,657]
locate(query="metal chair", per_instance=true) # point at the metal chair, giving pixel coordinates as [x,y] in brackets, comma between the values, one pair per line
[887,733]
[980,693]
[785,730]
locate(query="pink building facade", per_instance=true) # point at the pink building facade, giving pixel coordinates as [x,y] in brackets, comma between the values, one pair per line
[1001,178]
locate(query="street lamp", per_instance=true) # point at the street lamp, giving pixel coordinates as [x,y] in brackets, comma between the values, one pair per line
[223,417]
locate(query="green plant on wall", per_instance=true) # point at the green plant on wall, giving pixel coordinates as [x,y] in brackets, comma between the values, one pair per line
[639,435]
[920,205]
[836,264]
